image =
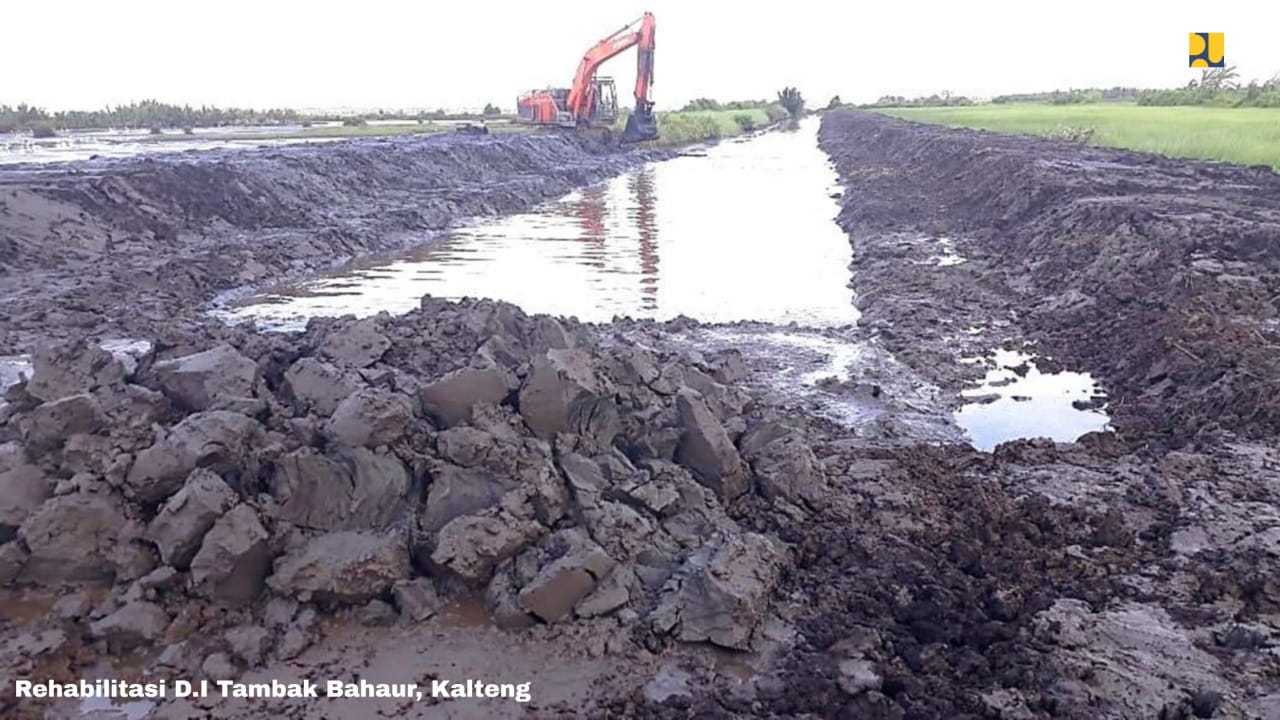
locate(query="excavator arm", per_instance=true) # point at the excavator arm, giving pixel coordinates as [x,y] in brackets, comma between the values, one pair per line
[639,34]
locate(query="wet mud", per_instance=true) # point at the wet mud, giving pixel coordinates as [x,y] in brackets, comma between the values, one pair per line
[124,247]
[673,519]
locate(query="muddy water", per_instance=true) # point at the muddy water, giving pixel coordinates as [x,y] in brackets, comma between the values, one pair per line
[1016,400]
[78,145]
[740,231]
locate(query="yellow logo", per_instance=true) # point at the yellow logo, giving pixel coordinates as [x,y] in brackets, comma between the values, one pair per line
[1206,50]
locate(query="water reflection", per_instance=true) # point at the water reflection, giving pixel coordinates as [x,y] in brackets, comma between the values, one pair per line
[1017,400]
[744,232]
[642,188]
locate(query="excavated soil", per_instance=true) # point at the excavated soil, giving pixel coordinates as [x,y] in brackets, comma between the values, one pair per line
[124,247]
[635,518]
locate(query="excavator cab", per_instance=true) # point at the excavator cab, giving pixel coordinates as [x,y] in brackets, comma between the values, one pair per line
[604,102]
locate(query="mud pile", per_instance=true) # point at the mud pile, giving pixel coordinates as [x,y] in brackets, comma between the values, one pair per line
[123,247]
[1158,275]
[213,497]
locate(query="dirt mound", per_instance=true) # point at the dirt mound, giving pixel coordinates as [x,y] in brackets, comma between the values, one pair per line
[1159,276]
[121,247]
[471,451]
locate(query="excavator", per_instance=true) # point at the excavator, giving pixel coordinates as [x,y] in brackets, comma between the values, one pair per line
[592,102]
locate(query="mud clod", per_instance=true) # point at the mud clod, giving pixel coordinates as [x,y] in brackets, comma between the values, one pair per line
[72,538]
[233,559]
[207,380]
[705,448]
[180,526]
[343,567]
[449,400]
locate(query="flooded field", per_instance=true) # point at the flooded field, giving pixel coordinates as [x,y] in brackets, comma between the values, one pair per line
[74,145]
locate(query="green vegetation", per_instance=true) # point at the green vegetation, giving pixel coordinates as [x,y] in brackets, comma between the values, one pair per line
[1218,87]
[1072,97]
[945,99]
[792,101]
[710,104]
[689,126]
[151,114]
[145,114]
[1249,136]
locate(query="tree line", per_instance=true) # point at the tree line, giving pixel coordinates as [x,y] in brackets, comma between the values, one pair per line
[1219,87]
[154,115]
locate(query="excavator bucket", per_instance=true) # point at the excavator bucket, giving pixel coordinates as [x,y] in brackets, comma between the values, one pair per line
[642,125]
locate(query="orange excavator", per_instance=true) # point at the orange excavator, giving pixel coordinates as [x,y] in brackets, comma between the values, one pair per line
[592,102]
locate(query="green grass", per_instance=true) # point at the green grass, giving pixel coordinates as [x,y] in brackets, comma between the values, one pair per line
[684,127]
[1248,136]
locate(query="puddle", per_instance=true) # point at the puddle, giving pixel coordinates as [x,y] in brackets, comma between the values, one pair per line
[834,375]
[465,613]
[944,255]
[1008,406]
[796,366]
[14,367]
[947,255]
[20,608]
[744,231]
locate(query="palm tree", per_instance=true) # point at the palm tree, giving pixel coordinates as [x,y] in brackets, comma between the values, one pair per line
[792,101]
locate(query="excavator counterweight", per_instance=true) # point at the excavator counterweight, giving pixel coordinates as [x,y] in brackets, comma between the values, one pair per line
[592,101]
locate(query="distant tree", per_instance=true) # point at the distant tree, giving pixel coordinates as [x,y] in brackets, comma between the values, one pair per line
[834,102]
[1213,80]
[791,99]
[491,110]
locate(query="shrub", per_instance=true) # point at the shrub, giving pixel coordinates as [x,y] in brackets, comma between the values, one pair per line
[43,130]
[775,112]
[355,122]
[1069,133]
[745,122]
[791,99]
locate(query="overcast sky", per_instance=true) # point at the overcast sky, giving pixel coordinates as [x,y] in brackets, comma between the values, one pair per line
[463,53]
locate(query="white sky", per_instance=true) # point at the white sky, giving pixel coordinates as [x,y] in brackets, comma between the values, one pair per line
[463,53]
